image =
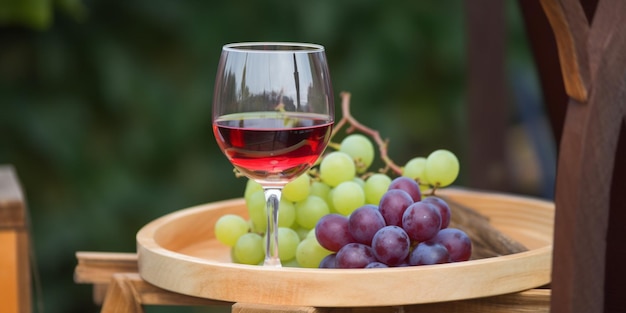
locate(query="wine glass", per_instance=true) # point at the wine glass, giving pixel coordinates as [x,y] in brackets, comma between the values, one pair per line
[273,113]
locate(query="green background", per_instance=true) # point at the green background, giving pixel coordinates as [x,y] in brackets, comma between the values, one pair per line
[105,105]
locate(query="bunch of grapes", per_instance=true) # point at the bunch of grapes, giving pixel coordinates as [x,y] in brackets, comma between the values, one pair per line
[317,207]
[404,229]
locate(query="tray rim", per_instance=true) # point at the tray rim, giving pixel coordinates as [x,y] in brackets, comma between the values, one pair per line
[151,255]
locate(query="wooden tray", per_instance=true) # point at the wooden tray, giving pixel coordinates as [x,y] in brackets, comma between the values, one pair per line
[179,252]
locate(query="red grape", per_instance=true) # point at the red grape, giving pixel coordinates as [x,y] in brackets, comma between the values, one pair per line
[428,253]
[444,209]
[392,205]
[364,222]
[355,255]
[376,265]
[456,241]
[332,232]
[421,221]
[329,261]
[409,185]
[391,245]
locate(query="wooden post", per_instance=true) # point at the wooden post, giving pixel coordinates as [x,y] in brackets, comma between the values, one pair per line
[15,283]
[591,181]
[487,108]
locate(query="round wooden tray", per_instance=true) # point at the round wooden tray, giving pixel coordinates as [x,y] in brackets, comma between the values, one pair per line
[179,252]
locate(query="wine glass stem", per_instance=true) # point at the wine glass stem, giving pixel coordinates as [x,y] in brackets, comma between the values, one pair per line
[272,199]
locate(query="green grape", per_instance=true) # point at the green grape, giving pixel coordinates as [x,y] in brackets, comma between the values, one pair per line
[301,231]
[347,197]
[255,203]
[286,213]
[319,189]
[359,181]
[329,201]
[249,249]
[361,149]
[415,169]
[311,233]
[291,263]
[251,187]
[309,211]
[297,189]
[337,167]
[288,241]
[375,187]
[229,228]
[309,253]
[442,168]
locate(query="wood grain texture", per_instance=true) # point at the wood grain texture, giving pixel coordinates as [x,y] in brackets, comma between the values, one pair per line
[587,180]
[535,300]
[128,292]
[487,95]
[15,275]
[178,252]
[570,25]
[571,29]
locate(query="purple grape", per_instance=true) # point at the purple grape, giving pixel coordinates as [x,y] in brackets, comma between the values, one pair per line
[376,265]
[332,232]
[444,209]
[428,253]
[355,255]
[391,245]
[392,205]
[421,221]
[456,241]
[329,261]
[364,222]
[409,185]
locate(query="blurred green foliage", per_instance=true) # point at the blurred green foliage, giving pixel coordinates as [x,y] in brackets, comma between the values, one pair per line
[105,105]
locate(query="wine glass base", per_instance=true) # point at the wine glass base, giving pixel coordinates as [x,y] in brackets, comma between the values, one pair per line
[272,262]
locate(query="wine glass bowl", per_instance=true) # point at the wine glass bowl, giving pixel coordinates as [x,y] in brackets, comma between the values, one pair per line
[273,113]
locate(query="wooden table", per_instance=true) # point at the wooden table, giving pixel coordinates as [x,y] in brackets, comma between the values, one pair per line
[119,288]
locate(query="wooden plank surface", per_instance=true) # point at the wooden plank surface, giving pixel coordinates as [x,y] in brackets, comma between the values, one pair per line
[536,300]
[14,245]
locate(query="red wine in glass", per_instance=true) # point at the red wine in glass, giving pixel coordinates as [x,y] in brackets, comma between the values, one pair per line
[273,146]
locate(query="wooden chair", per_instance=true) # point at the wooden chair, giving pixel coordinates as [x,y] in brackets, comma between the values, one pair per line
[15,278]
[579,51]
[588,265]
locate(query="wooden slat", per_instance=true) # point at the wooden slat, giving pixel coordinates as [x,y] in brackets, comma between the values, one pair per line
[536,300]
[120,297]
[487,95]
[14,245]
[570,25]
[129,292]
[9,272]
[114,274]
[99,267]
[589,189]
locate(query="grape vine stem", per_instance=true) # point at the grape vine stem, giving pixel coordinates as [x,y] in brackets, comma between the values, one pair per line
[354,125]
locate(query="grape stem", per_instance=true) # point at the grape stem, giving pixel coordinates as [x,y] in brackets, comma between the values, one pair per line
[354,124]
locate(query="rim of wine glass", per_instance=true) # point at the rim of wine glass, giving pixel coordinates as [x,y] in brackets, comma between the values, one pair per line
[250,47]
